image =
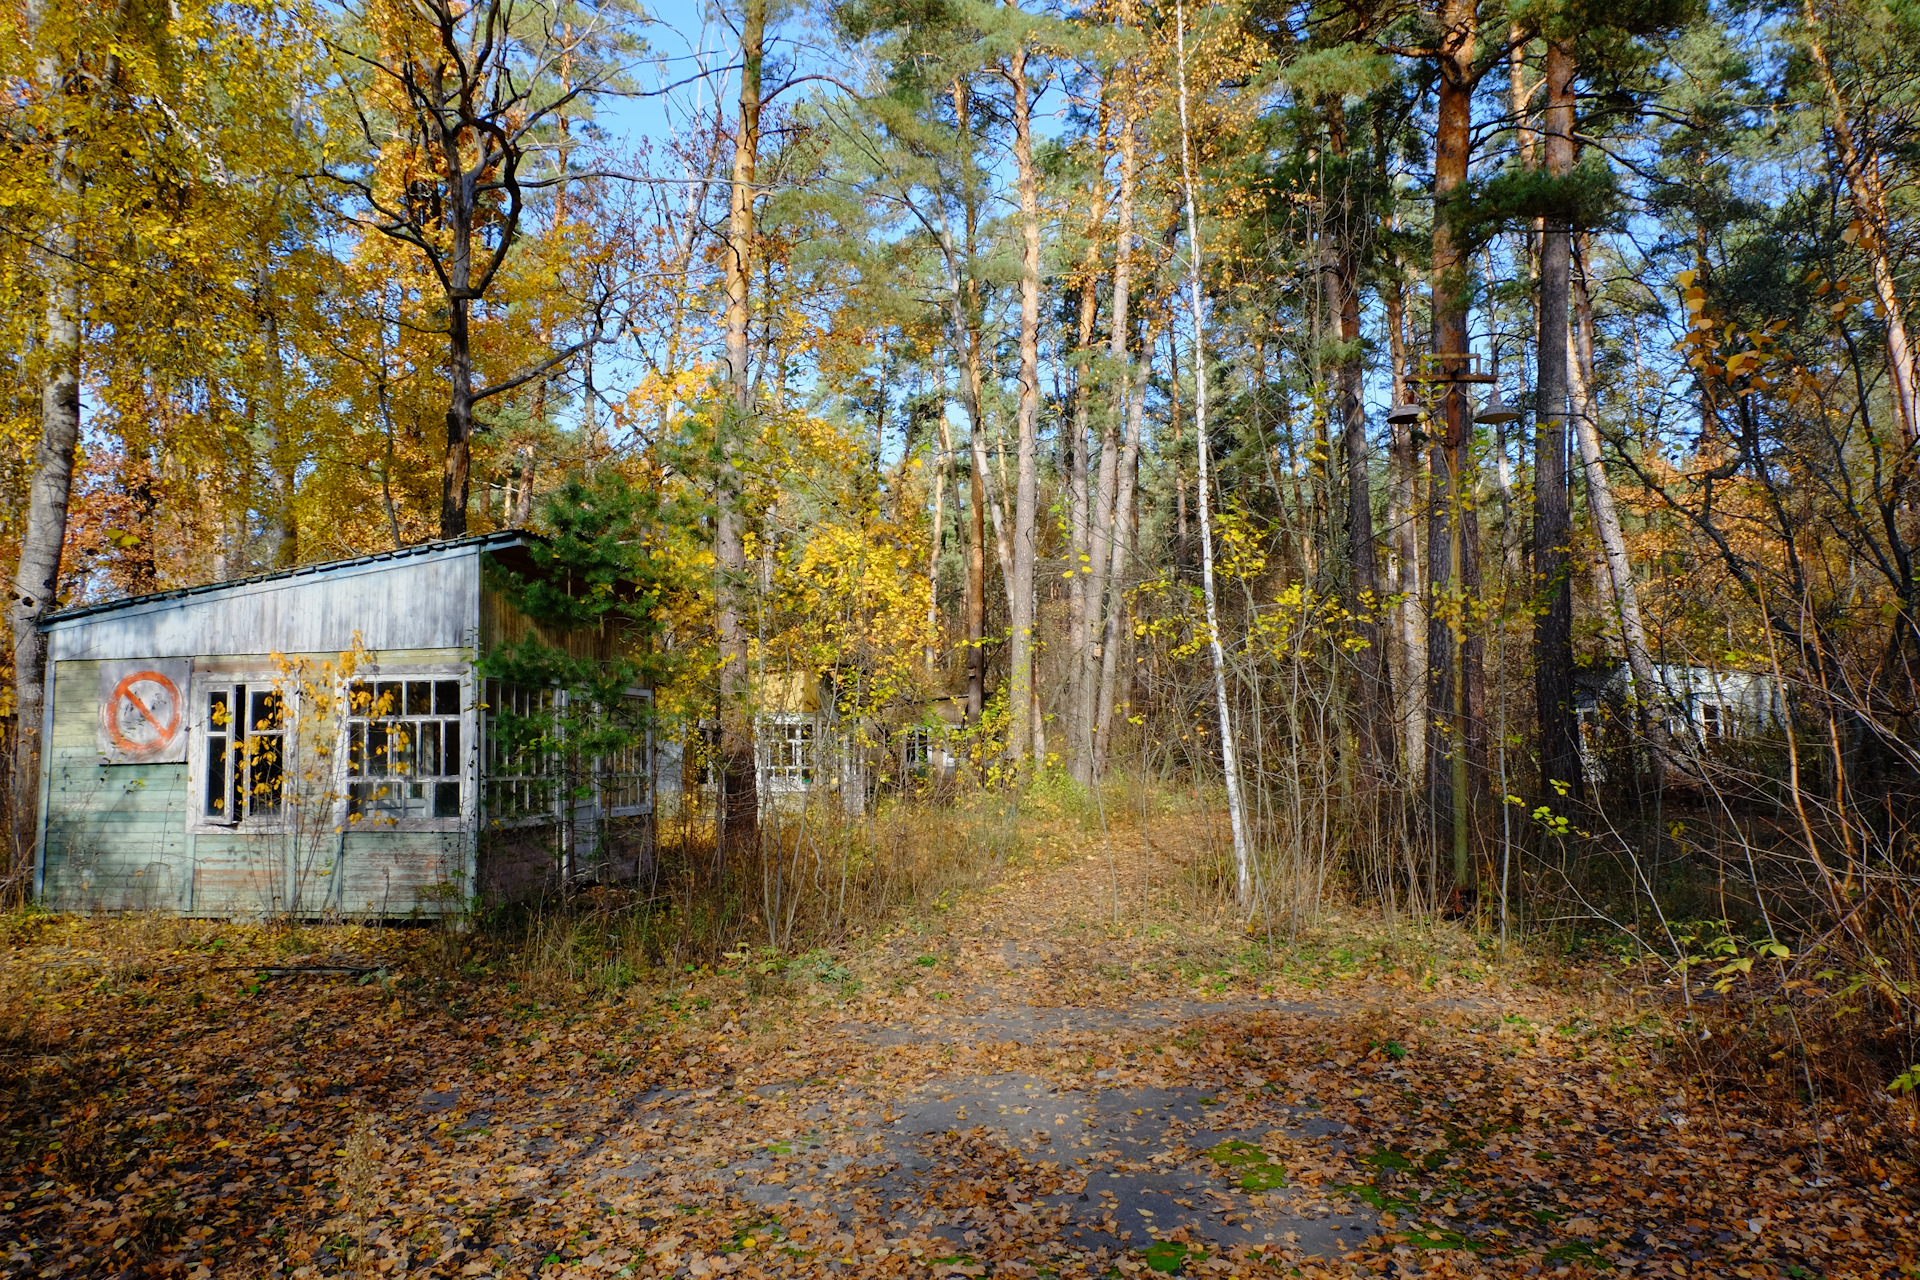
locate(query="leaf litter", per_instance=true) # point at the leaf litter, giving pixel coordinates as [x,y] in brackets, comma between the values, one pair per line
[1014,1085]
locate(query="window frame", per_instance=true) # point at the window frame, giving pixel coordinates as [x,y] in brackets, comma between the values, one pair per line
[468,774]
[492,688]
[201,684]
[771,740]
[559,706]
[645,773]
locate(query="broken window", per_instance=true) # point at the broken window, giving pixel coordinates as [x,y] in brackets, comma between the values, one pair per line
[786,750]
[522,765]
[404,759]
[626,766]
[245,761]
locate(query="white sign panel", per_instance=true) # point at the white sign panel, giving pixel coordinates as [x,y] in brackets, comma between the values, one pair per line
[143,711]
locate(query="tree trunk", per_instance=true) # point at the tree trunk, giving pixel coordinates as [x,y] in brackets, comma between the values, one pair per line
[280,531]
[37,577]
[1403,504]
[1552,516]
[1614,582]
[1181,540]
[977,590]
[1082,611]
[1372,684]
[1103,569]
[740,811]
[523,501]
[933,558]
[1020,583]
[456,472]
[1454,678]
[966,323]
[1520,98]
[1126,483]
[1868,195]
[1229,748]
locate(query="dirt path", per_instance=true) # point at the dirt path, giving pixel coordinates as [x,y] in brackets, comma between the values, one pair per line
[1027,1085]
[1025,1082]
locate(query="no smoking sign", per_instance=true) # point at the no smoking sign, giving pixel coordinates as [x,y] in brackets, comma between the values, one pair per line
[143,712]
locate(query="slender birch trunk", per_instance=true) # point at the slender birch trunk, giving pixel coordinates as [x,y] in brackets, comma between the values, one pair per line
[1340,272]
[1103,568]
[1229,756]
[1614,581]
[1182,541]
[1126,484]
[1403,505]
[1020,581]
[1083,604]
[964,309]
[1526,140]
[1081,611]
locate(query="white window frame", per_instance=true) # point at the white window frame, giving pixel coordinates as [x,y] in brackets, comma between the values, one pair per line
[787,778]
[532,817]
[374,673]
[200,729]
[933,742]
[644,773]
[597,779]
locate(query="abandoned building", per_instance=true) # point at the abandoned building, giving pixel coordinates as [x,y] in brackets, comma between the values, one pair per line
[323,741]
[807,753]
[1703,710]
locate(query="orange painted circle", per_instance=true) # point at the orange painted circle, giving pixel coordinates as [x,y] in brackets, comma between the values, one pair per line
[125,690]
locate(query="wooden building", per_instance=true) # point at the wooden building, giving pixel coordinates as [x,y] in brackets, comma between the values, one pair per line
[322,741]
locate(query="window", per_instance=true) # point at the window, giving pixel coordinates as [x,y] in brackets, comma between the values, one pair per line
[788,751]
[1713,722]
[404,762]
[522,766]
[244,762]
[916,747]
[626,770]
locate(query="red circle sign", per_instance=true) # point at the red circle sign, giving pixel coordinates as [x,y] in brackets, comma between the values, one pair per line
[143,715]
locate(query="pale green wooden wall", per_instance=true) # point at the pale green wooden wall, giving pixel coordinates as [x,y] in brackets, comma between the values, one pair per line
[117,838]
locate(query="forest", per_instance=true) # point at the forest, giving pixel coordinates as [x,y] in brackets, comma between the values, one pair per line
[1453,461]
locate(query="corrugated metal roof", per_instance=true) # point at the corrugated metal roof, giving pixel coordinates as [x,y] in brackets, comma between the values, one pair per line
[499,538]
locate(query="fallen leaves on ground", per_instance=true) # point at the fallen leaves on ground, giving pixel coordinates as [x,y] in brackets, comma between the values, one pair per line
[191,1100]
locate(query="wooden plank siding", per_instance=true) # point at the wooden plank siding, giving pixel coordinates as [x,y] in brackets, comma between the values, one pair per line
[131,837]
[118,837]
[502,625]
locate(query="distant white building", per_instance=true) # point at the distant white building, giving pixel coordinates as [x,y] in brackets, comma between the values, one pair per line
[1702,708]
[799,752]
[805,751]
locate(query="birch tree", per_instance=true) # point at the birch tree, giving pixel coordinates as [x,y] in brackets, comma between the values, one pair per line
[147,151]
[1229,747]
